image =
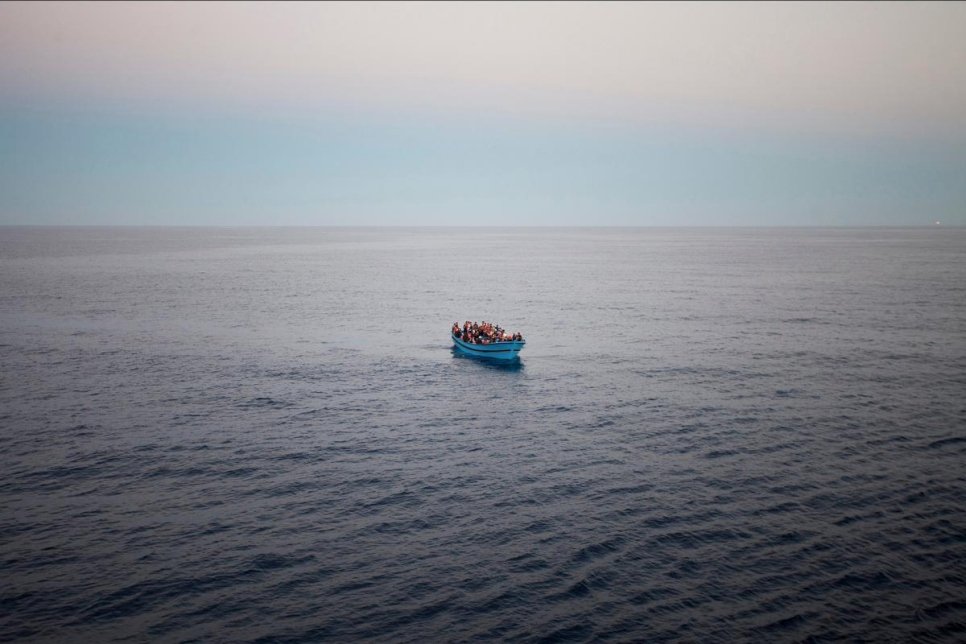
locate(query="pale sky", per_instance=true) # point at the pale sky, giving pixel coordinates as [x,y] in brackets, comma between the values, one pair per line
[520,113]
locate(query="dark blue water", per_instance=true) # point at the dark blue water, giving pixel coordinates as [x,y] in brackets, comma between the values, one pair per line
[264,434]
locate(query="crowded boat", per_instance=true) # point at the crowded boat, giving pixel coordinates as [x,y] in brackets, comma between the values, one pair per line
[483,333]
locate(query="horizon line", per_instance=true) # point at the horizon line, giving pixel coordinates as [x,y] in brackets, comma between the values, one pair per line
[483,226]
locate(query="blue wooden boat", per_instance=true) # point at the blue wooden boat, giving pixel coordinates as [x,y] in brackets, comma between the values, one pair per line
[493,351]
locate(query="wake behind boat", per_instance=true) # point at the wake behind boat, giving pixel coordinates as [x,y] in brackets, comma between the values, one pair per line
[487,340]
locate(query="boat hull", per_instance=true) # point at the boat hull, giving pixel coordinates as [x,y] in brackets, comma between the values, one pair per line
[496,351]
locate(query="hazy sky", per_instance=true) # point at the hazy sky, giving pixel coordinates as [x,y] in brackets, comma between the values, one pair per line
[480,113]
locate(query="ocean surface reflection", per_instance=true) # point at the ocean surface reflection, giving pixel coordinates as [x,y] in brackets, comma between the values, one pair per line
[265,434]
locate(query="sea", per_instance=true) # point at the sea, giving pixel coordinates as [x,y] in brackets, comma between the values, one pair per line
[265,435]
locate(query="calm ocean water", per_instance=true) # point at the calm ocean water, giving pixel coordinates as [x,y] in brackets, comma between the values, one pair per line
[264,434]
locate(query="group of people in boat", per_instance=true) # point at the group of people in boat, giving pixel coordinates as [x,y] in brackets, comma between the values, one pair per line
[483,333]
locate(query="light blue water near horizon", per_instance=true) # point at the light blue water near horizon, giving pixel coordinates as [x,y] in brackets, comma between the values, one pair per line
[263,434]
